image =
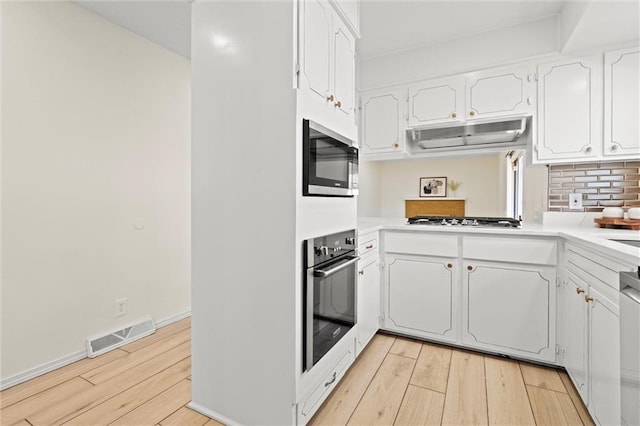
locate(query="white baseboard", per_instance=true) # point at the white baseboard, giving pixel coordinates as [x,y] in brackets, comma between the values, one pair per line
[41,369]
[212,414]
[69,359]
[173,319]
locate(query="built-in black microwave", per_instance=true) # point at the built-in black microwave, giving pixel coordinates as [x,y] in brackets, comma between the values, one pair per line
[330,162]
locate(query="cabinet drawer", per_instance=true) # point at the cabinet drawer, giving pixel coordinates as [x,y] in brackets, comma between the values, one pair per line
[368,244]
[513,249]
[419,243]
[589,266]
[309,405]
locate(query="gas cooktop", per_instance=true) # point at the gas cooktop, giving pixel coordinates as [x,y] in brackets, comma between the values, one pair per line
[499,222]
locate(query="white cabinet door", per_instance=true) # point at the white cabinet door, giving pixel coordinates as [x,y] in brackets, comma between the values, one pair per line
[327,60]
[499,92]
[622,102]
[351,11]
[576,333]
[569,110]
[315,68]
[510,309]
[604,356]
[368,298]
[419,299]
[381,125]
[437,101]
[343,69]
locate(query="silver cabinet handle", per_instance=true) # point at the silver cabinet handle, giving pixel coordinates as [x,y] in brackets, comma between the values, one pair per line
[333,379]
[587,149]
[322,273]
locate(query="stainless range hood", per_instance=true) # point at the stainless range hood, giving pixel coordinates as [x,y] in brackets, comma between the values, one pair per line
[475,134]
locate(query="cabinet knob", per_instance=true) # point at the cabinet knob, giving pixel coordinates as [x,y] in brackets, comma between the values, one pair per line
[330,98]
[588,298]
[614,147]
[529,101]
[396,145]
[587,150]
[370,246]
[579,290]
[361,272]
[472,113]
[449,265]
[454,115]
[338,104]
[469,268]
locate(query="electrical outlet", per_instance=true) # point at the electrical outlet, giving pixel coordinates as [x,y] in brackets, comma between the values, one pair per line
[575,201]
[121,307]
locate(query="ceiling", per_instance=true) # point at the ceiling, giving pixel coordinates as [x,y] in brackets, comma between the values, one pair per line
[167,23]
[389,26]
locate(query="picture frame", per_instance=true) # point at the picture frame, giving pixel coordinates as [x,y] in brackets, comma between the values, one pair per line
[433,187]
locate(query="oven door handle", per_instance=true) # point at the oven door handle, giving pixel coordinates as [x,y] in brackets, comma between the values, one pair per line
[323,273]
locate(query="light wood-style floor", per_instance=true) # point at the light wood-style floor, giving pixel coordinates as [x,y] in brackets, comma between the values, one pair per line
[395,381]
[401,381]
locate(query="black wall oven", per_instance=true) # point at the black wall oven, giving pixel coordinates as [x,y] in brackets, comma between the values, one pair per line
[330,162]
[329,293]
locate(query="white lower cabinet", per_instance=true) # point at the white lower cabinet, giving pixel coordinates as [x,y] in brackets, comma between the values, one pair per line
[576,334]
[368,306]
[591,340]
[604,361]
[510,309]
[420,296]
[308,406]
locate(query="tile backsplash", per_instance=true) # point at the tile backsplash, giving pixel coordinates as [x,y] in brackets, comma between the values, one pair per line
[602,184]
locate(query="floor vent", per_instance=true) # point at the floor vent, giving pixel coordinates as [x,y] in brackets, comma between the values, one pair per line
[104,343]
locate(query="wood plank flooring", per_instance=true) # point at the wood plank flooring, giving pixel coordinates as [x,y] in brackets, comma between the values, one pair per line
[416,383]
[144,383]
[395,381]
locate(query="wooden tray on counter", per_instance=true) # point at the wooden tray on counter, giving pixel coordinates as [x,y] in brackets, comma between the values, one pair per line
[608,222]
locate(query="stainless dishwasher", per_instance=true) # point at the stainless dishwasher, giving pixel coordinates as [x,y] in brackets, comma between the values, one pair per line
[630,347]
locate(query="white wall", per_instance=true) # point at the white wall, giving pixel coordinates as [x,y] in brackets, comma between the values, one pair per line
[461,55]
[96,130]
[386,185]
[369,202]
[399,180]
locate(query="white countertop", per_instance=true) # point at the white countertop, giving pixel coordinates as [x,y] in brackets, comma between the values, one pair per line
[597,238]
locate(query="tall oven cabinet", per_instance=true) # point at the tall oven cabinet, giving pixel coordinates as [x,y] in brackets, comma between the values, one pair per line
[248,106]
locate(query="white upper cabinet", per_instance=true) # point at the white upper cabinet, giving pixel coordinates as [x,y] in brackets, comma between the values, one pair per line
[350,11]
[622,102]
[381,126]
[569,110]
[436,101]
[327,58]
[500,92]
[343,74]
[316,51]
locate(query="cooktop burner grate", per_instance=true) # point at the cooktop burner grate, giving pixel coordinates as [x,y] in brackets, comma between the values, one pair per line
[498,222]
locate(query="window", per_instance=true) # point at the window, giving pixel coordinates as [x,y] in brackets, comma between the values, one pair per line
[515,179]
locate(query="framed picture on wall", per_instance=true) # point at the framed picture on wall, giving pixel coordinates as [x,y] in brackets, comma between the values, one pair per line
[433,187]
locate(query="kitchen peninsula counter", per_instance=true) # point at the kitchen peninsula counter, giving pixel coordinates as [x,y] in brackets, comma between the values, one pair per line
[596,238]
